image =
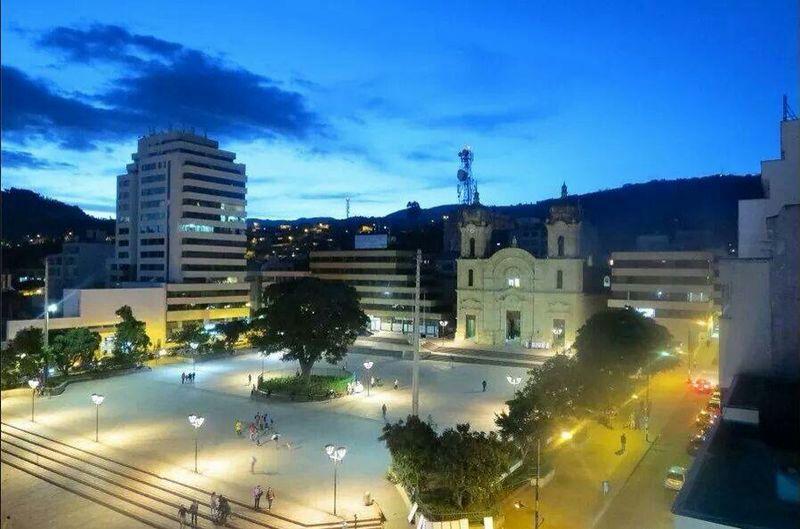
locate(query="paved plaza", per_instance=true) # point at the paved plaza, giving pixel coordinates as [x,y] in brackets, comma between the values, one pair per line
[143,422]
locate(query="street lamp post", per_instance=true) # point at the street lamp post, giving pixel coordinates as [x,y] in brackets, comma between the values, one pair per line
[368,365]
[336,455]
[514,381]
[263,354]
[33,383]
[536,520]
[196,421]
[98,400]
[194,346]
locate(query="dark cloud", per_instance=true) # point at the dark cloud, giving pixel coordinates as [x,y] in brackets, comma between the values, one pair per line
[420,155]
[358,197]
[163,84]
[26,160]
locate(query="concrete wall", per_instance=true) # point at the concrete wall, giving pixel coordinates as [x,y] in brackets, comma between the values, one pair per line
[745,326]
[784,277]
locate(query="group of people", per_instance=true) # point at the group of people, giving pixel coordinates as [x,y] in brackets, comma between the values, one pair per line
[187,378]
[258,492]
[260,425]
[191,512]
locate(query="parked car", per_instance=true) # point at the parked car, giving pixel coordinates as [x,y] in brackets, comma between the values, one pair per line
[702,385]
[695,442]
[676,476]
[714,407]
[705,418]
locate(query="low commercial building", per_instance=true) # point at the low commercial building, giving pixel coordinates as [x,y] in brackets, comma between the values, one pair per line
[385,280]
[79,265]
[675,288]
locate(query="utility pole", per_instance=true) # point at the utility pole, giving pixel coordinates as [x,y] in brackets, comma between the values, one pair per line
[415,370]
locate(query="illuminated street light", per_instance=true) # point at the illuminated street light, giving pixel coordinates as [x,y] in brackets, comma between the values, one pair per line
[565,435]
[52,307]
[336,454]
[33,383]
[368,365]
[196,421]
[194,346]
[97,400]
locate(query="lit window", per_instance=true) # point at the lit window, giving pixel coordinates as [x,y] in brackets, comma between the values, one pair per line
[513,282]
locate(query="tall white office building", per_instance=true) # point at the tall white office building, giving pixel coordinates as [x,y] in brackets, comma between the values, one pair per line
[181,222]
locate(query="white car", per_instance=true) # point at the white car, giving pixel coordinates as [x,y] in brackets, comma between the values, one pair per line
[676,476]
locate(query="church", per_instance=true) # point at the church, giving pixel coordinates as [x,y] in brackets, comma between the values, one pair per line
[509,298]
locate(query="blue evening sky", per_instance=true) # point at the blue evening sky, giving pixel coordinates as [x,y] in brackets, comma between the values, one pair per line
[373,100]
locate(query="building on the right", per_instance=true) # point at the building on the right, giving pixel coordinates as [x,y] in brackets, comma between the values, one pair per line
[747,474]
[675,288]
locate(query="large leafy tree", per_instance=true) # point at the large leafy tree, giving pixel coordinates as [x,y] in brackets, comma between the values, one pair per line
[232,331]
[130,339]
[471,463]
[412,444]
[189,333]
[551,394]
[73,346]
[24,356]
[310,319]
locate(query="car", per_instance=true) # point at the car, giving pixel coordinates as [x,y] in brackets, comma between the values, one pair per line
[676,476]
[713,407]
[716,397]
[702,385]
[695,442]
[705,419]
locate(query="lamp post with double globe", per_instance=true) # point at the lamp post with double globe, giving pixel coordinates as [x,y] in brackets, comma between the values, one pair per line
[196,421]
[368,365]
[336,455]
[33,383]
[97,400]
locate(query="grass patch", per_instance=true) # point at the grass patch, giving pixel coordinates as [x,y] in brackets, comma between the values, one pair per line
[315,387]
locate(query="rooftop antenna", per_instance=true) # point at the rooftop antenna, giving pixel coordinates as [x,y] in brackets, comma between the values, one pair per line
[347,207]
[788,113]
[467,186]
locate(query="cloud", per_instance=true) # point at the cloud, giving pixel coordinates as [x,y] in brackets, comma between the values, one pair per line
[484,121]
[26,160]
[420,155]
[339,196]
[163,84]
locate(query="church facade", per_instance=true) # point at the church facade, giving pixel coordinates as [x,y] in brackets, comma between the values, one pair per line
[510,298]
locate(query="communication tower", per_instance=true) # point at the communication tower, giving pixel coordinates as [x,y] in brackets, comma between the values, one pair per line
[467,186]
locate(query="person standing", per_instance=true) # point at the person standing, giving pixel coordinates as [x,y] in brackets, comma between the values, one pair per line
[270,498]
[484,386]
[257,493]
[193,508]
[383,409]
[253,465]
[183,378]
[249,379]
[396,383]
[622,441]
[182,515]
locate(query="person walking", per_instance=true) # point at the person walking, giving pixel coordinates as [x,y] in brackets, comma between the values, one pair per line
[270,498]
[396,383]
[249,379]
[253,465]
[182,515]
[622,441]
[183,378]
[383,409]
[484,386]
[214,503]
[257,493]
[237,427]
[193,508]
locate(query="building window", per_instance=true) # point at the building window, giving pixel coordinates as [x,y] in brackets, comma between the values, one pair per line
[559,280]
[470,277]
[472,247]
[513,282]
[470,327]
[561,246]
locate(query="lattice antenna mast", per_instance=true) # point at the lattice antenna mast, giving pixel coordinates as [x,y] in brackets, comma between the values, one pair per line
[347,207]
[467,186]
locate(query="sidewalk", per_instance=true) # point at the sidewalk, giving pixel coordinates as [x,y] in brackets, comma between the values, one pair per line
[574,498]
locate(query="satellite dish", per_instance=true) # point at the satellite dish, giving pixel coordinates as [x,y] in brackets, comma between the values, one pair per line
[462,175]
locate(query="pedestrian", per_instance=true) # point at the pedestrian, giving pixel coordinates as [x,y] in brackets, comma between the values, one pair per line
[622,441]
[182,515]
[183,378]
[270,498]
[606,487]
[484,386]
[275,438]
[396,383]
[237,427]
[214,503]
[193,508]
[249,379]
[383,409]
[258,421]
[253,465]
[257,493]
[372,382]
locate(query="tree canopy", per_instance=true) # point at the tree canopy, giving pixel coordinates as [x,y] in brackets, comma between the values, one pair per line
[309,319]
[130,339]
[73,346]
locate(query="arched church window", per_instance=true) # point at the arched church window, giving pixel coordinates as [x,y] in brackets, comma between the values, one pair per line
[472,247]
[470,277]
[559,279]
[561,246]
